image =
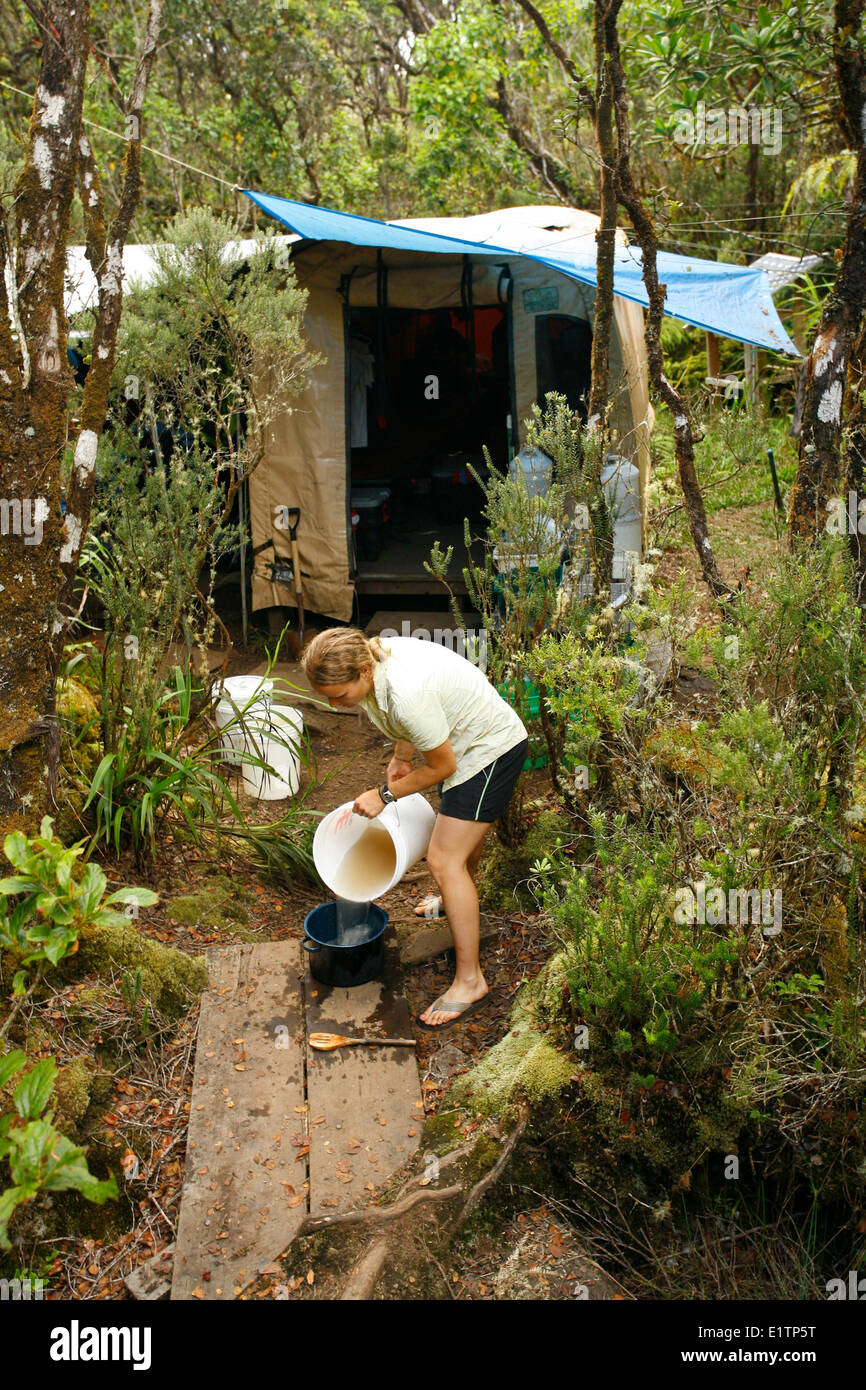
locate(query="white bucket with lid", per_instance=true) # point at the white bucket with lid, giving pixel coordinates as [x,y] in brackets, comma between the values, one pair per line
[239,697]
[267,740]
[366,858]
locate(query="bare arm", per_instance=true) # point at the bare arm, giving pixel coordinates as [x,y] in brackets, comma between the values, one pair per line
[439,763]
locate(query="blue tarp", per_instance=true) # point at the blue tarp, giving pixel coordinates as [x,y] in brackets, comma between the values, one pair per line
[733,301]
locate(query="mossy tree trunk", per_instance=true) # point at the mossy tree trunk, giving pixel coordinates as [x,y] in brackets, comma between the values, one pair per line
[684,445]
[610,68]
[819,463]
[857,461]
[40,551]
[605,236]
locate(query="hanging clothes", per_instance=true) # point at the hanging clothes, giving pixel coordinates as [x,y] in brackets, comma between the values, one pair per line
[361,378]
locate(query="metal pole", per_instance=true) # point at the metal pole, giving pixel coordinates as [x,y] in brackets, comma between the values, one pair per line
[243,519]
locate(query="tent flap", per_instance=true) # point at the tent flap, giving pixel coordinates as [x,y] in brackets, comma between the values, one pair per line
[732,301]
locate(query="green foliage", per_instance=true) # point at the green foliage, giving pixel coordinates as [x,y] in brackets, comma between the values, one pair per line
[643,987]
[190,366]
[132,993]
[40,1159]
[44,908]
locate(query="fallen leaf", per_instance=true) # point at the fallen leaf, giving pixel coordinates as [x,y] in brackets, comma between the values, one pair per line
[319,1120]
[302,1153]
[311,1278]
[296,1201]
[198,1293]
[301,1109]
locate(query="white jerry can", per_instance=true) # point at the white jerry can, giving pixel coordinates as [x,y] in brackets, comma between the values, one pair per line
[621,482]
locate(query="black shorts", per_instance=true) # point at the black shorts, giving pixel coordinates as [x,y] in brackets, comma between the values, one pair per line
[485,796]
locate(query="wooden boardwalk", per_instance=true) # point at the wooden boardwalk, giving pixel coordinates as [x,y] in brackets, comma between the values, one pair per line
[277,1130]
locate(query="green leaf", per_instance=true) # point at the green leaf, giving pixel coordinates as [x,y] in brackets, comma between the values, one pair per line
[67,1168]
[18,884]
[34,1090]
[31,1150]
[91,889]
[11,1198]
[97,779]
[145,897]
[11,1062]
[16,849]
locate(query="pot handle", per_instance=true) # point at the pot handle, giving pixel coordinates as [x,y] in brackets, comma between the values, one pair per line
[309,945]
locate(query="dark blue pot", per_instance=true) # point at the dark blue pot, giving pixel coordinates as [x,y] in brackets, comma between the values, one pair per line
[344,966]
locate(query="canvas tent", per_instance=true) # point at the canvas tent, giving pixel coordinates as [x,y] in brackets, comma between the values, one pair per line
[519,286]
[536,266]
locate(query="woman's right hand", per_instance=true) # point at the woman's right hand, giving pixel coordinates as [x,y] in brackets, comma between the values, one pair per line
[397,768]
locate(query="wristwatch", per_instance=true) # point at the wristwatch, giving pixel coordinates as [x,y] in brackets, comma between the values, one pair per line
[386,794]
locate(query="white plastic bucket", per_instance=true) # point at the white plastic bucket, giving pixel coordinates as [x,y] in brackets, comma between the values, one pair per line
[260,743]
[409,824]
[239,693]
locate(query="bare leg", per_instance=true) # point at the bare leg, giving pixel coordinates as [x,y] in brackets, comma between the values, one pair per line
[471,866]
[454,846]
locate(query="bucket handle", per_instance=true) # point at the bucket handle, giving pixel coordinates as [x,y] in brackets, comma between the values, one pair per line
[309,945]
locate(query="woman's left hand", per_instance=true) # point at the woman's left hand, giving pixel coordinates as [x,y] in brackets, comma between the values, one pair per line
[369,804]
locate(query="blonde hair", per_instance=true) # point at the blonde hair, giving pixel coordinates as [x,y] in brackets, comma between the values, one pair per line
[336,656]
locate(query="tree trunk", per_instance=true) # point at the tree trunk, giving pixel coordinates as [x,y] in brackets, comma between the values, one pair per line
[819,465]
[856,441]
[646,237]
[606,235]
[39,548]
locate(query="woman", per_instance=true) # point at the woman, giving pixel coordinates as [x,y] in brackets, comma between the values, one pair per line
[471,743]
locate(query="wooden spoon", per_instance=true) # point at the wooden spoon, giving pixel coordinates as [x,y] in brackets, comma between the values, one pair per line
[326,1042]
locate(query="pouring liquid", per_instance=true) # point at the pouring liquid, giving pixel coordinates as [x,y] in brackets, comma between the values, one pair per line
[367,868]
[352,925]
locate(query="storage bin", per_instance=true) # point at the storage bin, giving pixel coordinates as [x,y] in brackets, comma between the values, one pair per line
[369,534]
[449,490]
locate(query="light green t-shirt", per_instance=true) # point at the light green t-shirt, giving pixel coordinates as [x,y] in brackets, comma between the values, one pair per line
[424,694]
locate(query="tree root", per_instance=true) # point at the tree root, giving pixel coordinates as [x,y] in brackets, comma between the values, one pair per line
[377,1216]
[386,1248]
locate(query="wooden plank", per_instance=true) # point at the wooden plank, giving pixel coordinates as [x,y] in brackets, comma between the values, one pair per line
[367,1099]
[240,1165]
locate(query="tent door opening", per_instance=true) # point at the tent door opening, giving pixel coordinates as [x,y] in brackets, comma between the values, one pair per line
[427,390]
